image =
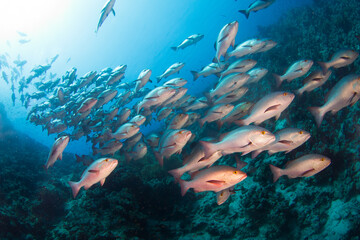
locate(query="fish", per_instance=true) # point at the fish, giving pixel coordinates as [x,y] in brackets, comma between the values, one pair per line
[98,171]
[175,82]
[305,166]
[256,6]
[126,130]
[215,113]
[56,151]
[223,195]
[156,97]
[105,97]
[248,47]
[229,83]
[175,68]
[153,140]
[296,70]
[191,40]
[196,162]
[271,105]
[108,7]
[340,59]
[197,104]
[110,148]
[243,139]
[212,68]
[232,96]
[138,120]
[139,151]
[225,38]
[214,179]
[178,121]
[345,92]
[142,79]
[239,111]
[240,66]
[23,41]
[164,113]
[171,142]
[287,139]
[269,44]
[87,105]
[314,80]
[256,74]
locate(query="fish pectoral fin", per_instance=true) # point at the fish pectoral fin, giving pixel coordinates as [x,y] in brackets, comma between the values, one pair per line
[113,11]
[298,70]
[102,181]
[223,38]
[286,142]
[151,98]
[272,108]
[60,156]
[308,173]
[277,116]
[217,183]
[170,146]
[94,171]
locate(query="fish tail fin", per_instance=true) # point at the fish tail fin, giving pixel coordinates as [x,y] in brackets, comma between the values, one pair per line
[276,172]
[174,48]
[75,187]
[195,75]
[278,79]
[184,185]
[208,147]
[159,158]
[176,173]
[318,114]
[246,13]
[323,66]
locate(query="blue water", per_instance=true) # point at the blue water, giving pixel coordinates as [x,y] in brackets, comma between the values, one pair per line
[140,35]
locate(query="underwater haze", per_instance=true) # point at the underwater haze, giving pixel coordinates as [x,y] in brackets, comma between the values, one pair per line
[195,119]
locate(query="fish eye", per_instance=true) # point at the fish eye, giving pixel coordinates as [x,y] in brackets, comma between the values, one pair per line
[305,60]
[182,131]
[221,194]
[322,159]
[106,160]
[263,132]
[235,172]
[301,132]
[284,93]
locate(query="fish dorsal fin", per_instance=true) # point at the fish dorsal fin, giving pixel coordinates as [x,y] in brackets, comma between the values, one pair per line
[272,108]
[217,183]
[215,46]
[170,146]
[113,11]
